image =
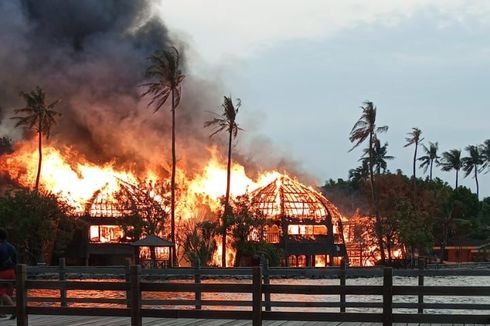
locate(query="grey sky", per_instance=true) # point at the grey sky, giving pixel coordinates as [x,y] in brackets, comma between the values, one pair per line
[306,67]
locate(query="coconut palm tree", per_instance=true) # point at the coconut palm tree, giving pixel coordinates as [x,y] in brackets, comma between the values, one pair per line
[37,114]
[485,151]
[365,129]
[379,156]
[429,158]
[451,160]
[167,78]
[226,121]
[414,139]
[472,163]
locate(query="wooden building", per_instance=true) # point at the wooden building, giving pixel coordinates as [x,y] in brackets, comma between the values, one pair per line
[305,224]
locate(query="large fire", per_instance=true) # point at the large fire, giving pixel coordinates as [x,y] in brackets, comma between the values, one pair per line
[77,180]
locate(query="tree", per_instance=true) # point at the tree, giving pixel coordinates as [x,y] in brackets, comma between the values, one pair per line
[379,155]
[226,121]
[472,163]
[451,160]
[429,158]
[414,139]
[199,243]
[6,145]
[485,152]
[37,115]
[365,129]
[40,224]
[166,72]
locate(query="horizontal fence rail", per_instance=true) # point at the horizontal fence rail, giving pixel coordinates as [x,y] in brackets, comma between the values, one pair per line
[134,294]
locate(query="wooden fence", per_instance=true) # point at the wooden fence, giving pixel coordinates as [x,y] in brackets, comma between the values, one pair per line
[255,284]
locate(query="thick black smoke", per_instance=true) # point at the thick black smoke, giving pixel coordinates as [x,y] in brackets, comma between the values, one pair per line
[92,54]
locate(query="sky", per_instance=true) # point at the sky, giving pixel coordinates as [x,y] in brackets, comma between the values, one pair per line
[304,68]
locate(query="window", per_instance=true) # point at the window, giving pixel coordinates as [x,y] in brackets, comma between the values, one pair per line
[107,234]
[301,229]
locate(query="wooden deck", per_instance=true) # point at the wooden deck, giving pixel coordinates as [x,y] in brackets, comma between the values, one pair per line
[40,320]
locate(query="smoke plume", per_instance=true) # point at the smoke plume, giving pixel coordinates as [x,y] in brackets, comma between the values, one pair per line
[92,55]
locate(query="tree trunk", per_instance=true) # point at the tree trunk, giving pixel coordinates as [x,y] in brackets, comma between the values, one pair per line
[40,151]
[378,226]
[415,162]
[477,185]
[430,173]
[457,171]
[414,176]
[227,200]
[172,183]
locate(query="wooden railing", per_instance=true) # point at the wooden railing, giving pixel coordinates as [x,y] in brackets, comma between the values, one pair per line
[260,302]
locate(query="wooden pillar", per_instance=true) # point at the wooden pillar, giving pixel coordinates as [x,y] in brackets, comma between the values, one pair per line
[134,277]
[342,275]
[197,281]
[308,260]
[257,297]
[420,310]
[265,272]
[62,277]
[387,296]
[21,295]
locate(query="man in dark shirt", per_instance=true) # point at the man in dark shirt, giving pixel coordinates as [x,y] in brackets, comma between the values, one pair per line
[8,260]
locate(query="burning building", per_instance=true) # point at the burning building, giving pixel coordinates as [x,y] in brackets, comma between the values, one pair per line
[93,57]
[306,225]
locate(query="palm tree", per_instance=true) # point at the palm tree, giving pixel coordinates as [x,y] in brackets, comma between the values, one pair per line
[485,151]
[472,163]
[429,158]
[365,129]
[452,161]
[37,115]
[226,121]
[379,154]
[414,138]
[168,77]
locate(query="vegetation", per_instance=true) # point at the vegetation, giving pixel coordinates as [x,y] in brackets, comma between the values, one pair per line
[430,157]
[365,129]
[199,243]
[40,224]
[6,145]
[438,214]
[451,160]
[165,69]
[414,138]
[226,121]
[472,164]
[39,116]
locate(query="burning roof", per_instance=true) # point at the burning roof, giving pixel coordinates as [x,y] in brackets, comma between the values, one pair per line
[285,197]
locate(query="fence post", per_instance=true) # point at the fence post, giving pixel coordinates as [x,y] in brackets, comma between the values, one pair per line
[62,278]
[21,295]
[387,296]
[342,273]
[197,280]
[421,264]
[264,265]
[257,297]
[128,281]
[134,277]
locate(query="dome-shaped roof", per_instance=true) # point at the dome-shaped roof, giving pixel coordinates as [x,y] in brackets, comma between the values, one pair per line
[285,197]
[123,198]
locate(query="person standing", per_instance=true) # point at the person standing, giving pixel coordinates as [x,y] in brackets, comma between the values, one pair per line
[8,260]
